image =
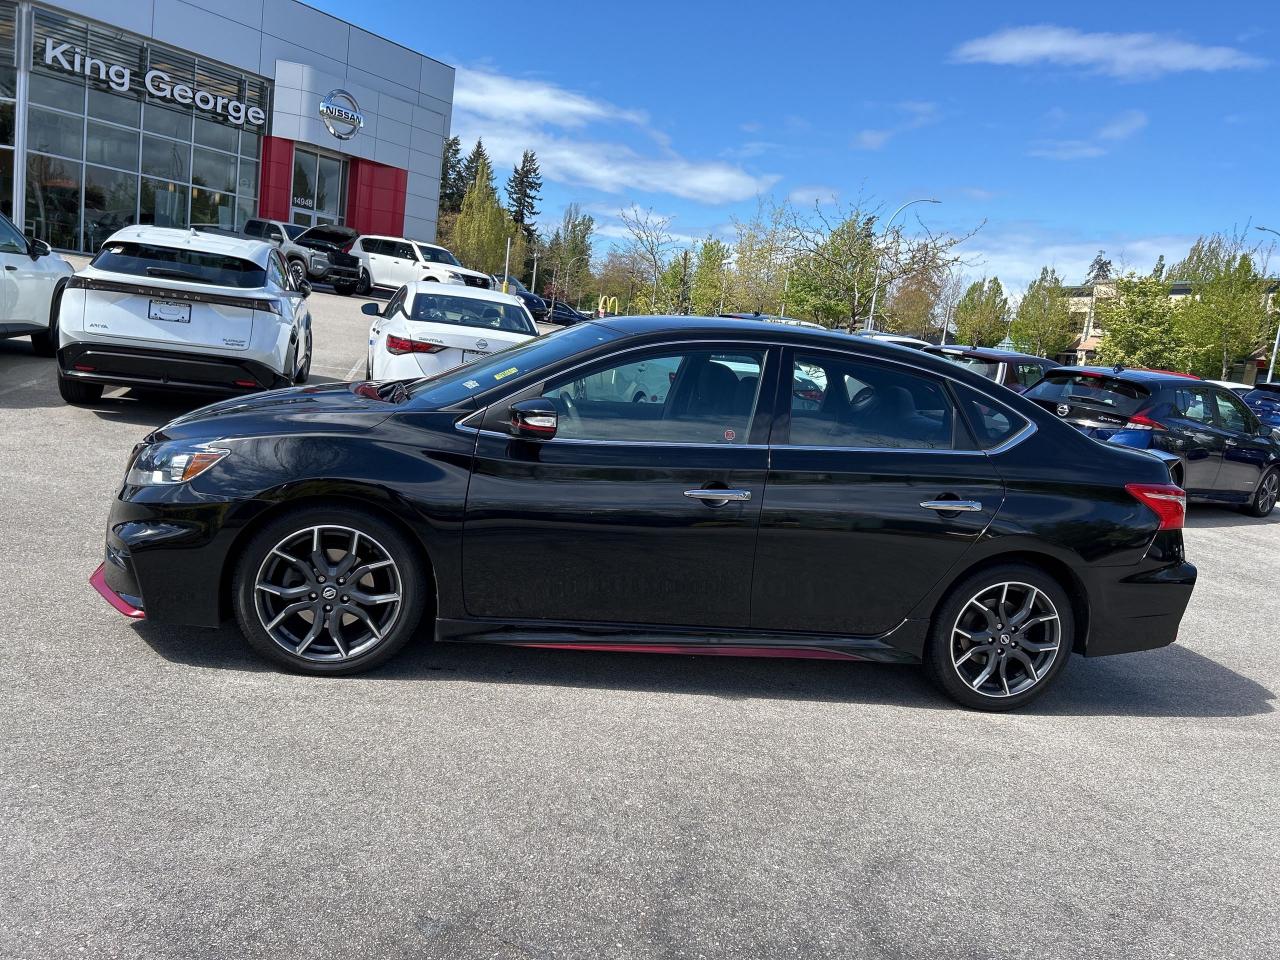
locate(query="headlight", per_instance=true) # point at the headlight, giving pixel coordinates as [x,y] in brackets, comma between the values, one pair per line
[174,461]
[456,277]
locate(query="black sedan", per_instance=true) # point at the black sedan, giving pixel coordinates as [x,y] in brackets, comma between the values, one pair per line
[907,510]
[563,314]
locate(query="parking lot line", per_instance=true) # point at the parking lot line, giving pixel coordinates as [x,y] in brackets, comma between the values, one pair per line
[26,384]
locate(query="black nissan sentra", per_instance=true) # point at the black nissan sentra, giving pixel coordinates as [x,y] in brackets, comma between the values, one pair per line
[660,485]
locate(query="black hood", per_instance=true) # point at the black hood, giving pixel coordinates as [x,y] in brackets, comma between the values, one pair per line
[328,235]
[331,408]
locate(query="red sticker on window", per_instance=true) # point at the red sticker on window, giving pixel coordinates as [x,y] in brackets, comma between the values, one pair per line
[730,435]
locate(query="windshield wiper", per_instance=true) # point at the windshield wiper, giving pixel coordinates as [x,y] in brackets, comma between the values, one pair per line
[173,273]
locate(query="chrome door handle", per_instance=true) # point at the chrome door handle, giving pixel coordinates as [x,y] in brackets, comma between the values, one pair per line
[947,506]
[1231,443]
[720,495]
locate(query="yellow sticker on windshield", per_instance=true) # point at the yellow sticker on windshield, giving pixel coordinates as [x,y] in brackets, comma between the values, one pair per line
[505,373]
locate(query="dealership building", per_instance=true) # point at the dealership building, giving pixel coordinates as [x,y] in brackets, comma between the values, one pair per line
[207,112]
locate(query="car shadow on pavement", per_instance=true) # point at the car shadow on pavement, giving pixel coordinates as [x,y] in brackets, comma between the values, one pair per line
[147,408]
[1174,682]
[1213,516]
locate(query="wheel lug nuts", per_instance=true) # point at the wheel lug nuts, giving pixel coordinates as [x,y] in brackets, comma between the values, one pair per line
[327,608]
[313,596]
[344,599]
[342,580]
[319,579]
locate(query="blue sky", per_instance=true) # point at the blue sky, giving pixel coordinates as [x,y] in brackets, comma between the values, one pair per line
[1131,127]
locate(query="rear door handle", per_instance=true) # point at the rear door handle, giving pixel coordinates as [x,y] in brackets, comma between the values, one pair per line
[721,496]
[948,506]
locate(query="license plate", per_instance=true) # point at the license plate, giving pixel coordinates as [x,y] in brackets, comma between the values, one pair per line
[469,355]
[169,310]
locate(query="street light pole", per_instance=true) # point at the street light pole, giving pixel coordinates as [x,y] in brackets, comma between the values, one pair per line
[875,280]
[1275,347]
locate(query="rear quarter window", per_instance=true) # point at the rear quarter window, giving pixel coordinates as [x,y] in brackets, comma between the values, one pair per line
[170,263]
[990,423]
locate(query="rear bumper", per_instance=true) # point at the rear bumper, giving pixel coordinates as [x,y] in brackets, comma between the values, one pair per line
[123,366]
[1139,612]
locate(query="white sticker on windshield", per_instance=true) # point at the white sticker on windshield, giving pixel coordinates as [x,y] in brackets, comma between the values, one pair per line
[471,384]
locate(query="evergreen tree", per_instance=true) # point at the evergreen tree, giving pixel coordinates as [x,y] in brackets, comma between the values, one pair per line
[482,229]
[1043,324]
[1158,270]
[981,314]
[471,167]
[524,189]
[452,182]
[1099,270]
[710,277]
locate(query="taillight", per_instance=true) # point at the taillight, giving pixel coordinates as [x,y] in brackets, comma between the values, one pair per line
[400,345]
[1166,500]
[1140,421]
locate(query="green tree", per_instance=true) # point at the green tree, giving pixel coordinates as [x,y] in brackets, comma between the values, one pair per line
[1100,270]
[676,284]
[452,182]
[1042,324]
[982,314]
[472,165]
[911,305]
[1141,326]
[566,256]
[1226,319]
[710,277]
[524,189]
[482,228]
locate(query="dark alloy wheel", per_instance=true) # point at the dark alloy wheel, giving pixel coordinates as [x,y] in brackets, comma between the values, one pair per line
[364,284]
[297,273]
[1001,638]
[1264,498]
[329,591]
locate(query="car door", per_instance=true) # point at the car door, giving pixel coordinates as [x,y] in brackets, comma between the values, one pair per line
[402,264]
[1193,433]
[378,265]
[865,458]
[21,283]
[1245,454]
[636,512]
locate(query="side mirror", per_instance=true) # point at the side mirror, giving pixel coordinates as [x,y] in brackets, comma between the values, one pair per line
[371,310]
[40,249]
[534,419]
[305,288]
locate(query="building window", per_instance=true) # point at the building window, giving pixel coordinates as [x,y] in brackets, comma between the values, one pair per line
[8,107]
[100,158]
[319,188]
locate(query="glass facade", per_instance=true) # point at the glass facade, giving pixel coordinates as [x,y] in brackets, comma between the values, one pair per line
[319,188]
[99,157]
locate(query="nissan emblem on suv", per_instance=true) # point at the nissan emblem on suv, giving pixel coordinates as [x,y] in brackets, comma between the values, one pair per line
[341,114]
[1063,409]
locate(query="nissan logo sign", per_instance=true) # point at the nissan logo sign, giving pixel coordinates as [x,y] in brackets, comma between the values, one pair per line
[341,114]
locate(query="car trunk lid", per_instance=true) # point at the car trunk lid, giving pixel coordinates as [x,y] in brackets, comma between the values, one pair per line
[170,313]
[474,342]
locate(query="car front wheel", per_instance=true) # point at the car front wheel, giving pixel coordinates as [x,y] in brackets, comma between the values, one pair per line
[1000,638]
[297,273]
[329,590]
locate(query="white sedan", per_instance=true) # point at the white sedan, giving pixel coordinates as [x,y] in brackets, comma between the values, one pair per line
[427,328]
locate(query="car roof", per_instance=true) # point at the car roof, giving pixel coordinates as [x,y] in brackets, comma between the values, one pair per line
[256,251]
[458,290]
[1133,374]
[1234,384]
[984,353]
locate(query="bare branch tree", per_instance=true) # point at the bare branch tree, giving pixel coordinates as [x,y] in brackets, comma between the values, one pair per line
[650,238]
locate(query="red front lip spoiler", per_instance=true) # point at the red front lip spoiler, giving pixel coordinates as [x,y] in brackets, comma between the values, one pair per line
[99,582]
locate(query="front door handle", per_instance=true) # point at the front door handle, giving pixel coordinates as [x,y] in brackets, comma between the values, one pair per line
[948,506]
[718,496]
[1231,443]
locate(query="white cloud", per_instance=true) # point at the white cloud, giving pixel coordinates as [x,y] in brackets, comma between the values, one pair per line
[498,97]
[807,196]
[513,115]
[914,114]
[1127,56]
[1017,254]
[1120,127]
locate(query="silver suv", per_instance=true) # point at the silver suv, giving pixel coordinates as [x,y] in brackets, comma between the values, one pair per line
[316,253]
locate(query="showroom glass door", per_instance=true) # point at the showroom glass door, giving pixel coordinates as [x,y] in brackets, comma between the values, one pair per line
[319,188]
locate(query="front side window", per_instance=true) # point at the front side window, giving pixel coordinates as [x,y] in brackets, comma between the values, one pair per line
[169,263]
[276,272]
[437,255]
[701,396]
[470,312]
[837,402]
[1233,414]
[11,239]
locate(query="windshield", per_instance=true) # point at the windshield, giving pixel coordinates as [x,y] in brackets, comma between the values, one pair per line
[196,266]
[454,386]
[985,368]
[516,284]
[436,255]
[294,230]
[1119,396]
[470,312]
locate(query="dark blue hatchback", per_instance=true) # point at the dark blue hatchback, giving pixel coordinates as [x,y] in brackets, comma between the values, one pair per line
[1264,401]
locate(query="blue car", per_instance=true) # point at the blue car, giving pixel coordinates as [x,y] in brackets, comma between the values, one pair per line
[1217,449]
[1264,401]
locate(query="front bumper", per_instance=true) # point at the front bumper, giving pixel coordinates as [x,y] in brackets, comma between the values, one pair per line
[125,366]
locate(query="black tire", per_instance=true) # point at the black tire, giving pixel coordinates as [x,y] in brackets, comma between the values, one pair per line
[412,577]
[1263,500]
[1013,644]
[77,391]
[364,284]
[344,288]
[297,273]
[45,343]
[305,373]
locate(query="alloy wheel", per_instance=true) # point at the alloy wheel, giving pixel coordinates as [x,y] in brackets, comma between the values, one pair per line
[328,593]
[297,273]
[1005,639]
[1267,495]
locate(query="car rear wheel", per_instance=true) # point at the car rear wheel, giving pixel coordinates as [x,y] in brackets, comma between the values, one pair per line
[1264,498]
[77,391]
[332,590]
[1000,638]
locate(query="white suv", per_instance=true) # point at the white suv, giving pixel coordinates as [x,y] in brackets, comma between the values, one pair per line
[392,262]
[181,310]
[33,282]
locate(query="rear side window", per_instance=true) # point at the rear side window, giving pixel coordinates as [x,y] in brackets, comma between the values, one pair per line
[991,423]
[983,368]
[253,228]
[396,248]
[1027,374]
[168,263]
[1093,390]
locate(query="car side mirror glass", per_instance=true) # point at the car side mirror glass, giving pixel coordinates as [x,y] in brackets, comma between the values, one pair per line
[534,419]
[371,310]
[40,249]
[305,288]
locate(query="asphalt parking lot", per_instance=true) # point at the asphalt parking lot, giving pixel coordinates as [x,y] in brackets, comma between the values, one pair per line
[163,793]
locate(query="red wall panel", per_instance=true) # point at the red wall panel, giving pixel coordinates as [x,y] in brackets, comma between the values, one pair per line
[375,197]
[274,199]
